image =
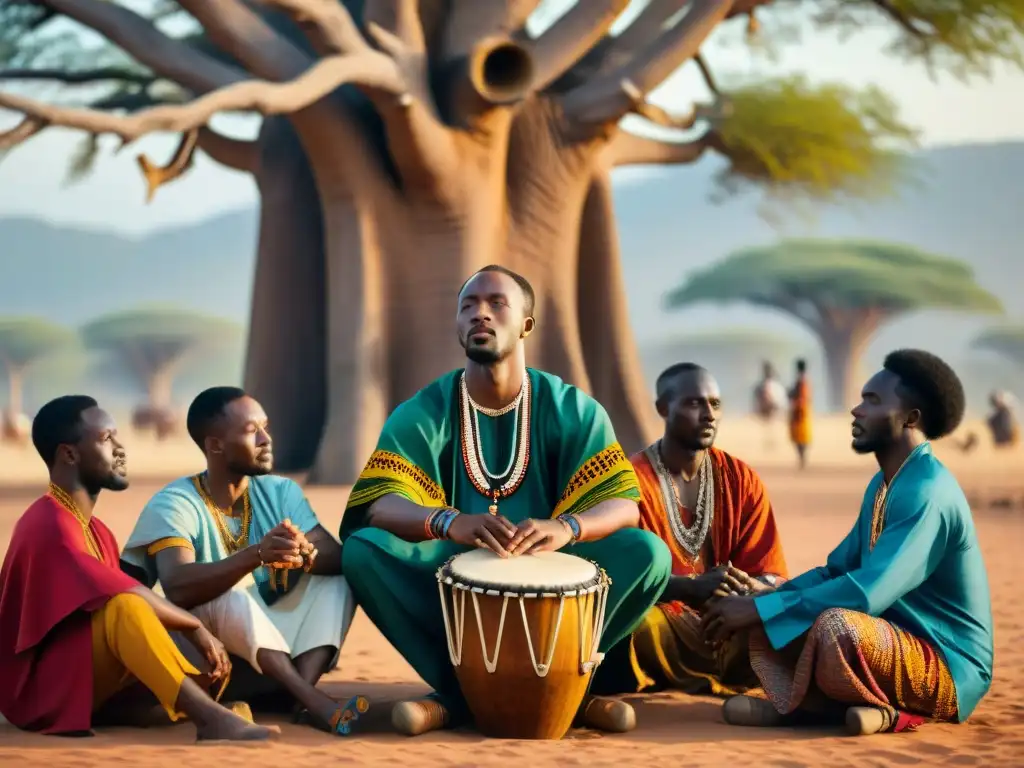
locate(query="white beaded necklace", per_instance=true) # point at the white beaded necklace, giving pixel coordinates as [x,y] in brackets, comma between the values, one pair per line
[472,449]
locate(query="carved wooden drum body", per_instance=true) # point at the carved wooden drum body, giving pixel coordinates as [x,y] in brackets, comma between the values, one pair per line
[523,634]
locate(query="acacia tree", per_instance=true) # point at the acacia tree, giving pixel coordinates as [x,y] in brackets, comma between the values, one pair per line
[24,341]
[153,344]
[1007,340]
[421,139]
[842,291]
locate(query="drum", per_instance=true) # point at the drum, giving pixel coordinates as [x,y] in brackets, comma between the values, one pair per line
[523,634]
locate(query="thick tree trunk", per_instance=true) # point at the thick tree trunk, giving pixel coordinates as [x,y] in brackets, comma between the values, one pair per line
[159,383]
[609,347]
[15,390]
[844,348]
[285,365]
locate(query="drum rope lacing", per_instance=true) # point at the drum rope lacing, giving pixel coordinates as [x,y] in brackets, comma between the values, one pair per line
[540,669]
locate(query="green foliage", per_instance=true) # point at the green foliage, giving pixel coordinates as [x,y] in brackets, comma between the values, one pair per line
[802,276]
[158,324]
[150,338]
[24,340]
[964,37]
[822,142]
[1007,340]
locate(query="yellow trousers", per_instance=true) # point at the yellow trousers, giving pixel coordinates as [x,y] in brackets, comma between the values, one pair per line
[130,644]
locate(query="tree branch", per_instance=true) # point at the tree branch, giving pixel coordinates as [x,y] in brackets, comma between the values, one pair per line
[370,68]
[236,28]
[662,117]
[158,175]
[421,145]
[630,149]
[239,154]
[615,52]
[604,100]
[169,58]
[570,37]
[334,25]
[20,133]
[81,77]
[901,18]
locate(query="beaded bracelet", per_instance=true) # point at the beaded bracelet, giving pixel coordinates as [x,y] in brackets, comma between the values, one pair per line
[449,518]
[428,524]
[573,523]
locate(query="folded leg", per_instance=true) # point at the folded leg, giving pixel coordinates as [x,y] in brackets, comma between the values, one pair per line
[852,659]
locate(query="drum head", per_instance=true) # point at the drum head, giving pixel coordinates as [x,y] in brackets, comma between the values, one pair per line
[542,572]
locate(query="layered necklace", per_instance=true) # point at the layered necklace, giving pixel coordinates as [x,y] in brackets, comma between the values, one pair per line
[504,483]
[63,498]
[692,537]
[232,543]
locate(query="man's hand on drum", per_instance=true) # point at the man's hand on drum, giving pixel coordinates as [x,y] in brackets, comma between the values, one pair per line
[492,532]
[539,536]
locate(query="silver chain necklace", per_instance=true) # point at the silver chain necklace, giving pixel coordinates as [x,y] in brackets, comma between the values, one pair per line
[691,538]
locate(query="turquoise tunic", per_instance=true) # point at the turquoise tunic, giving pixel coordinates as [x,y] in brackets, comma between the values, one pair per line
[925,575]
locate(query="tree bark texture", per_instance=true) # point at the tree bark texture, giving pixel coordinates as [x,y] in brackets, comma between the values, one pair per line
[844,337]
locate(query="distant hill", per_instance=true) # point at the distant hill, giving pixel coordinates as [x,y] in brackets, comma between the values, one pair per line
[967,205]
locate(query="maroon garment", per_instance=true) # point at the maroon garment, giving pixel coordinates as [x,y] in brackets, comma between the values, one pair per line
[49,585]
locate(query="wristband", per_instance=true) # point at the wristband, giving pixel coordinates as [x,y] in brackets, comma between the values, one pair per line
[428,524]
[452,514]
[571,522]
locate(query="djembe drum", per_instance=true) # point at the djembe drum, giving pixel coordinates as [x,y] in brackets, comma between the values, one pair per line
[523,634]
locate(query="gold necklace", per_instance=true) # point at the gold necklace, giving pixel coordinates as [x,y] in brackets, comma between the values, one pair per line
[231,543]
[881,497]
[63,498]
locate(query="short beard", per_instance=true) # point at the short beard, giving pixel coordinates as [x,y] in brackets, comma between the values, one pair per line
[249,470]
[484,356]
[112,482]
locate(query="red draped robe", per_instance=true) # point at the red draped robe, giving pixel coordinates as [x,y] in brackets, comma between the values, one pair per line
[743,530]
[49,584]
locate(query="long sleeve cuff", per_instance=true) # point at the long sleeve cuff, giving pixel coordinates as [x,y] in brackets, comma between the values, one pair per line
[775,610]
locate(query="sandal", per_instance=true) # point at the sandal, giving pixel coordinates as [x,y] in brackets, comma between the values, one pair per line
[342,719]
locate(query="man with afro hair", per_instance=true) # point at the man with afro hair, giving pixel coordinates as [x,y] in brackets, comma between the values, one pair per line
[896,627]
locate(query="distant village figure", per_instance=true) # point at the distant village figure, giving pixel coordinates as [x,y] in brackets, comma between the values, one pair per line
[1002,421]
[769,400]
[15,427]
[800,412]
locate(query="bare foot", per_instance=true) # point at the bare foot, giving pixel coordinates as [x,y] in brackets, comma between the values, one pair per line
[231,727]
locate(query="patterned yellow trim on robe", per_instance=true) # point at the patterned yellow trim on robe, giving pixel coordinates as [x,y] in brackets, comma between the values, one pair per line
[606,475]
[388,472]
[168,543]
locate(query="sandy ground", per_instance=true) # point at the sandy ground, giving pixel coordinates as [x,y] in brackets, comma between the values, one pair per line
[815,509]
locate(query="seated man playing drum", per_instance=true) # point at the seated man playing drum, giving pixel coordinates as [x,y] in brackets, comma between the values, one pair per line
[429,492]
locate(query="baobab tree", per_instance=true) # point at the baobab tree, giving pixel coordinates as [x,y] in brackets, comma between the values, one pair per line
[420,139]
[153,345]
[24,341]
[842,291]
[1007,340]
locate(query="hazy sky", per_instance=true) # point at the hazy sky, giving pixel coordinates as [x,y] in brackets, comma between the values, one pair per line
[946,110]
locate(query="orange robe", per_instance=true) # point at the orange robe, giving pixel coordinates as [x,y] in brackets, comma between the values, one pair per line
[743,531]
[667,649]
[800,413]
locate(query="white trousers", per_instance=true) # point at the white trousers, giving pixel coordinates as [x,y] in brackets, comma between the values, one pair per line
[318,612]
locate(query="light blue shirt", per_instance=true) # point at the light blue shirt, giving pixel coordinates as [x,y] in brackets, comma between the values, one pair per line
[925,575]
[178,511]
